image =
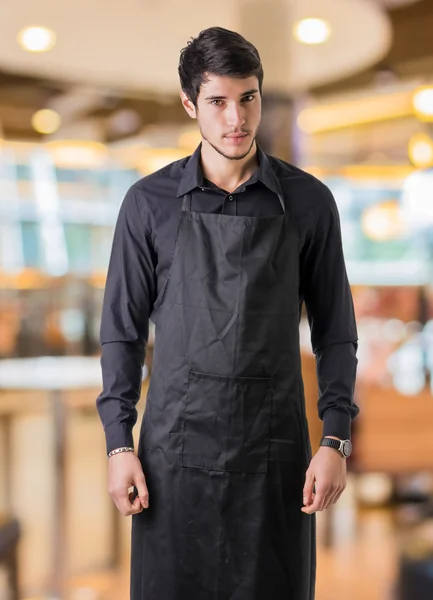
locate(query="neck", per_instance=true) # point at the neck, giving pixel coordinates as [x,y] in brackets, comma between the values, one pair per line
[225,173]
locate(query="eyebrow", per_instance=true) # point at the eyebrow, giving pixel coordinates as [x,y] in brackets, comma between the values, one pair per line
[248,93]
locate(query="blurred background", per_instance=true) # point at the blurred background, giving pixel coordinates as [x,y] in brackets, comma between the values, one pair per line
[89,104]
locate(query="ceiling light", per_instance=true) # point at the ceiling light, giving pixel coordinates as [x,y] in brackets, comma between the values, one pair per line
[420,150]
[312,31]
[36,39]
[422,101]
[46,121]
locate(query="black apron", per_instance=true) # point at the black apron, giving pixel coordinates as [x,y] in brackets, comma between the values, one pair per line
[224,440]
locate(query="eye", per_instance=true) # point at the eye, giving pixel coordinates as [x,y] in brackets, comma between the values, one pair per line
[217,102]
[249,98]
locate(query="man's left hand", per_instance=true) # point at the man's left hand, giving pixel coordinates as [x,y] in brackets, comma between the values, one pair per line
[327,472]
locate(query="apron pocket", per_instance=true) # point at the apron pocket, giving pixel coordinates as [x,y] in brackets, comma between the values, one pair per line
[226,423]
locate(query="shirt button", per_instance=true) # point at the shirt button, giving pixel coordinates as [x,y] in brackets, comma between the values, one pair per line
[230,198]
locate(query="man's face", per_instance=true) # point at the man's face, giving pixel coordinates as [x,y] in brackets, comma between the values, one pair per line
[228,114]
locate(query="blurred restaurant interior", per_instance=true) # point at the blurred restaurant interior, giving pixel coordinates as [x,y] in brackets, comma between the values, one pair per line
[89,103]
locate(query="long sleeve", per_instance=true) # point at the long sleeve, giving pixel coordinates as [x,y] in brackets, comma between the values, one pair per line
[328,301]
[128,299]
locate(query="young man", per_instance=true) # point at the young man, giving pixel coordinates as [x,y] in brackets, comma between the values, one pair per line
[220,250]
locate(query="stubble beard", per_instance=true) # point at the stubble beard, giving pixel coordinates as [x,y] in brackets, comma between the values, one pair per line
[221,153]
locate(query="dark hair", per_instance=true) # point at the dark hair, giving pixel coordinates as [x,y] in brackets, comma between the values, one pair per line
[217,51]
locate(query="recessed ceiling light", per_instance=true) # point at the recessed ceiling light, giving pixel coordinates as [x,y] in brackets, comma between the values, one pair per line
[312,31]
[46,121]
[36,39]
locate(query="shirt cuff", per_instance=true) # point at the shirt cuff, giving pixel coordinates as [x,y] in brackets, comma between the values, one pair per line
[118,435]
[337,423]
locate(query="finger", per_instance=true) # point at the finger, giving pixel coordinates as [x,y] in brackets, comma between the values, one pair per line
[312,497]
[316,505]
[308,488]
[327,494]
[338,495]
[332,497]
[136,507]
[337,492]
[328,501]
[143,493]
[124,504]
[135,502]
[131,507]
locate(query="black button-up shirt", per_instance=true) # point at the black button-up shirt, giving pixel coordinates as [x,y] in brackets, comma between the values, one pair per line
[141,256]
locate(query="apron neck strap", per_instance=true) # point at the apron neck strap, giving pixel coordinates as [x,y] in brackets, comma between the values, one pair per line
[283,204]
[186,202]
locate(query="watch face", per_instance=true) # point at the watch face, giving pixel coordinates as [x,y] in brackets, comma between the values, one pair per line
[347,448]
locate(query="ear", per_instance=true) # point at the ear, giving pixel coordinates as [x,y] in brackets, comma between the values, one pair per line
[188,105]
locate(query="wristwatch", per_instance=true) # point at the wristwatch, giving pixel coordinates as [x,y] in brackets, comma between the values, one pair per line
[343,446]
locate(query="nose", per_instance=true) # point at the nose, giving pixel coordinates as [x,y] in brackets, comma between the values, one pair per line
[235,115]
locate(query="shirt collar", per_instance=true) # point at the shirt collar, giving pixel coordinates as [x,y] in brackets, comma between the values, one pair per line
[192,176]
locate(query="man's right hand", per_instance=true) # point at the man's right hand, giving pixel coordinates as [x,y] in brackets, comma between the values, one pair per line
[125,471]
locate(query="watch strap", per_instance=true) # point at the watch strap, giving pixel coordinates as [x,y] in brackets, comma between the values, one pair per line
[344,447]
[331,443]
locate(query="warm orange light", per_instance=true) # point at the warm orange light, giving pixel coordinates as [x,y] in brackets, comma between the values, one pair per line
[76,154]
[422,101]
[312,31]
[420,150]
[189,140]
[46,121]
[153,159]
[36,39]
[349,113]
[383,221]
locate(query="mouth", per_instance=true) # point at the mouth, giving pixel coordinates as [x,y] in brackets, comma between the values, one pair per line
[232,136]
[236,138]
